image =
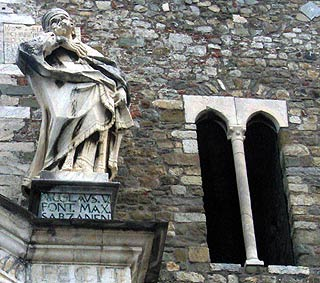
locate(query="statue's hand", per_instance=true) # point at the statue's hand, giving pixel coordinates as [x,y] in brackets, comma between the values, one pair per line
[50,43]
[73,45]
[120,97]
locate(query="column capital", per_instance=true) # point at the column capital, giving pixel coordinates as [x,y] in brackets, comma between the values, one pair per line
[236,133]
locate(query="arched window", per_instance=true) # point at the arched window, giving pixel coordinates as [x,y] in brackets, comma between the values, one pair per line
[268,199]
[224,232]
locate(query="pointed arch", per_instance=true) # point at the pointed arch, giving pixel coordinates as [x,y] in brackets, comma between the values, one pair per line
[224,231]
[268,199]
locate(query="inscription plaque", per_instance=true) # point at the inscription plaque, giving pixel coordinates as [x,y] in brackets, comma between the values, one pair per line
[70,199]
[11,35]
[53,273]
[15,34]
[80,206]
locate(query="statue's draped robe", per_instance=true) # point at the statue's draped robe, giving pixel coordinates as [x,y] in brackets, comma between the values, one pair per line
[78,98]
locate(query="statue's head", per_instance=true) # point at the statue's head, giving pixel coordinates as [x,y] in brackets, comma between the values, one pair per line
[59,22]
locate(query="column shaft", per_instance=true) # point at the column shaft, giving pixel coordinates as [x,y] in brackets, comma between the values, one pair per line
[237,138]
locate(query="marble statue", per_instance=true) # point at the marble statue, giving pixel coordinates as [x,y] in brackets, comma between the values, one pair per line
[83,97]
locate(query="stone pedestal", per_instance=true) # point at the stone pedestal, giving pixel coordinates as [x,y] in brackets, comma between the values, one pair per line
[39,250]
[69,195]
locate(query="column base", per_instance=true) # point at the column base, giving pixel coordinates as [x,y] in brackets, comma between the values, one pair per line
[253,265]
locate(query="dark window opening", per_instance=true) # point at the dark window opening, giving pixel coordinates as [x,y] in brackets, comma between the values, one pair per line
[268,199]
[224,230]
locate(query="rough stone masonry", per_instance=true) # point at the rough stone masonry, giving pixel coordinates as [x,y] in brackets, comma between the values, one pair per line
[239,48]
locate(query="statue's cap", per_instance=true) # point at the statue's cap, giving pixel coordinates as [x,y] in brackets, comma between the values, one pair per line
[49,15]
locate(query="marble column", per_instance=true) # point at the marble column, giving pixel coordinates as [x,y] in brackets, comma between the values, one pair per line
[236,134]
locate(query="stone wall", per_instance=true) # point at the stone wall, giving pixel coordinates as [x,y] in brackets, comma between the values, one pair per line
[241,48]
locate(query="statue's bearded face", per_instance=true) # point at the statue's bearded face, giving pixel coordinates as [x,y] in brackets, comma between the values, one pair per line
[61,25]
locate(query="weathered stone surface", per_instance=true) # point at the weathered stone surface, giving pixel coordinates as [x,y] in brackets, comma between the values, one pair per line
[14,112]
[17,19]
[302,199]
[15,34]
[236,49]
[296,150]
[189,276]
[6,100]
[171,266]
[311,10]
[181,159]
[298,188]
[232,278]
[72,273]
[189,217]
[8,127]
[103,5]
[239,19]
[178,190]
[288,269]
[184,134]
[217,278]
[305,225]
[225,267]
[168,104]
[172,116]
[191,180]
[199,254]
[17,146]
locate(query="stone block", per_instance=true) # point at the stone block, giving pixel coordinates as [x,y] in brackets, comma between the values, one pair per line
[178,190]
[194,105]
[189,217]
[191,180]
[181,159]
[298,188]
[316,161]
[189,276]
[190,146]
[103,5]
[13,1]
[295,150]
[184,134]
[230,267]
[305,225]
[276,110]
[168,104]
[14,112]
[14,34]
[307,237]
[17,19]
[198,254]
[301,200]
[216,278]
[232,278]
[281,269]
[6,100]
[17,146]
[172,116]
[238,19]
[7,79]
[179,38]
[172,266]
[8,127]
[77,273]
[10,69]
[197,50]
[180,255]
[311,10]
[10,164]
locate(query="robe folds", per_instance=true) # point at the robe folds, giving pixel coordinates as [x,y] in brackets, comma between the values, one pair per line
[81,99]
